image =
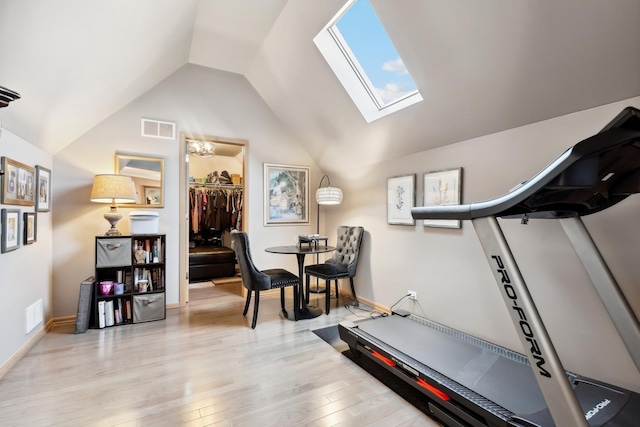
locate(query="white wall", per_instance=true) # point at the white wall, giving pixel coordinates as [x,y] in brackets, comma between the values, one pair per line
[200,167]
[447,266]
[201,101]
[26,271]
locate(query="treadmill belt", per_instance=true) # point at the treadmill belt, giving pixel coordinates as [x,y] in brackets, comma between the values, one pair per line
[479,369]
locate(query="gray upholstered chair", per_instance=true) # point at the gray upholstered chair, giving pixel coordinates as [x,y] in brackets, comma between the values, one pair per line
[256,280]
[342,264]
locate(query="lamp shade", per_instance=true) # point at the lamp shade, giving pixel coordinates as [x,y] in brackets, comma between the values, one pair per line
[109,188]
[329,196]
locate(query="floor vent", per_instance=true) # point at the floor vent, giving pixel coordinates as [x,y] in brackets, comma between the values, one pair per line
[157,129]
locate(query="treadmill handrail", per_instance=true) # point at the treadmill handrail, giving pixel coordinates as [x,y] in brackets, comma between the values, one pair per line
[499,206]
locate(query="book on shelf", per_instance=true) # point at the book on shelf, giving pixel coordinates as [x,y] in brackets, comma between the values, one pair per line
[101,314]
[109,315]
[127,310]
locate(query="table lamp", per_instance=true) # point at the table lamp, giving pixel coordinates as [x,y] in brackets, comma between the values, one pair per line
[111,188]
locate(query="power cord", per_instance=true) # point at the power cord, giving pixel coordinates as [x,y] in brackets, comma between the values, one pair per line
[372,313]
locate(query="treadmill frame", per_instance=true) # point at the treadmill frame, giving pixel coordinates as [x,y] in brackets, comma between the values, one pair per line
[543,358]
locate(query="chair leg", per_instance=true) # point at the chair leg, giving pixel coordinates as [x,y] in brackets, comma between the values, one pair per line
[337,290]
[353,291]
[306,290]
[246,306]
[327,295]
[255,310]
[282,300]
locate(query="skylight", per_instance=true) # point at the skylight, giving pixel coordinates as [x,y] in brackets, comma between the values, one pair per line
[363,57]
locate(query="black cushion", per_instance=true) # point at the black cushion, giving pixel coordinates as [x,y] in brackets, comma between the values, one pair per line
[327,271]
[281,277]
[211,255]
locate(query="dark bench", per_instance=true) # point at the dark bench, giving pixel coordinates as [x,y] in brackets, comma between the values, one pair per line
[208,262]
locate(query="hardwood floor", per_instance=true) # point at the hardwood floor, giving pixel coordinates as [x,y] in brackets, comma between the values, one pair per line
[202,366]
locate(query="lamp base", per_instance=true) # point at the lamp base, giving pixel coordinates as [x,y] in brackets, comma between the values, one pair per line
[113,216]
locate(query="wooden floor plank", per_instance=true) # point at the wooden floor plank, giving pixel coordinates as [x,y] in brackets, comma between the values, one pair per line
[202,366]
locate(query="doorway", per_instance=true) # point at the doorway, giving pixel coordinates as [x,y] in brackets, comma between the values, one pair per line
[213,200]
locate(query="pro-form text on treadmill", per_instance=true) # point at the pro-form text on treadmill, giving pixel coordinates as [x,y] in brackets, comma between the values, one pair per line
[524,322]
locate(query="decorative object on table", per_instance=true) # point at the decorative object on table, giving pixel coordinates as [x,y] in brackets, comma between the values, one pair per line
[401,198]
[18,183]
[442,188]
[286,194]
[112,188]
[10,227]
[313,240]
[342,264]
[43,189]
[30,227]
[256,280]
[324,196]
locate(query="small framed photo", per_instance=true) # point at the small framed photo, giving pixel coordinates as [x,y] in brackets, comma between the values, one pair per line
[152,195]
[18,183]
[442,188]
[10,230]
[401,198]
[286,194]
[30,227]
[43,189]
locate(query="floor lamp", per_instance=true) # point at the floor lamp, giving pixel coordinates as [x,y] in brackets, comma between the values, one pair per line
[325,196]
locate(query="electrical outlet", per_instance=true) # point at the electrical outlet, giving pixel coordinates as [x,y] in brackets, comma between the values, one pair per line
[413,295]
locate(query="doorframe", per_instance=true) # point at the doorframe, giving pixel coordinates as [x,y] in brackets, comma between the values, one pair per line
[183,204]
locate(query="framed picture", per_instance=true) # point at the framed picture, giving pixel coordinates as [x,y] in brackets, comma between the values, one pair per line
[43,189]
[152,195]
[442,188]
[30,227]
[10,230]
[286,194]
[18,183]
[401,197]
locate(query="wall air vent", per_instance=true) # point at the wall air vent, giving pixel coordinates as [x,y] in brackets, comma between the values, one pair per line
[157,129]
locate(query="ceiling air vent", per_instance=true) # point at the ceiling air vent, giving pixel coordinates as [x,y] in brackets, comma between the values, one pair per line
[157,129]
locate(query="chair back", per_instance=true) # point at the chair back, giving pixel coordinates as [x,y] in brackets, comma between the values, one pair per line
[252,278]
[348,248]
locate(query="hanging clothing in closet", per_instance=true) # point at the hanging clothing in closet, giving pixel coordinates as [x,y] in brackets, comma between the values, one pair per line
[217,208]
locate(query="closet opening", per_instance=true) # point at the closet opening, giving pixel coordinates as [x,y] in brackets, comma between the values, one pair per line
[215,179]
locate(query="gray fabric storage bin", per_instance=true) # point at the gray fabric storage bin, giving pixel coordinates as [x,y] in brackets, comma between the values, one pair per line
[148,307]
[113,252]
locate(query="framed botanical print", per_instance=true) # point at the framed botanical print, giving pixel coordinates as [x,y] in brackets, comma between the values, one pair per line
[18,183]
[43,189]
[442,188]
[10,230]
[30,227]
[401,198]
[286,194]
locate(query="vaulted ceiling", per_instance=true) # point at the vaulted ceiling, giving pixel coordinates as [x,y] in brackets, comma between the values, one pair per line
[482,67]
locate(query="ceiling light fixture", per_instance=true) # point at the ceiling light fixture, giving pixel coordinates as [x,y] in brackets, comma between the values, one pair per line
[200,148]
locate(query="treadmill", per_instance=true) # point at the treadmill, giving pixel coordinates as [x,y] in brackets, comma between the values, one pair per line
[467,381]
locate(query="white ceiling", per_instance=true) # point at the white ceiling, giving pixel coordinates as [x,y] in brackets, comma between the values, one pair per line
[482,67]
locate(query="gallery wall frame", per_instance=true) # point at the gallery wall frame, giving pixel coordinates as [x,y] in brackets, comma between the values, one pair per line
[10,219]
[286,194]
[30,227]
[401,198]
[18,183]
[43,189]
[442,187]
